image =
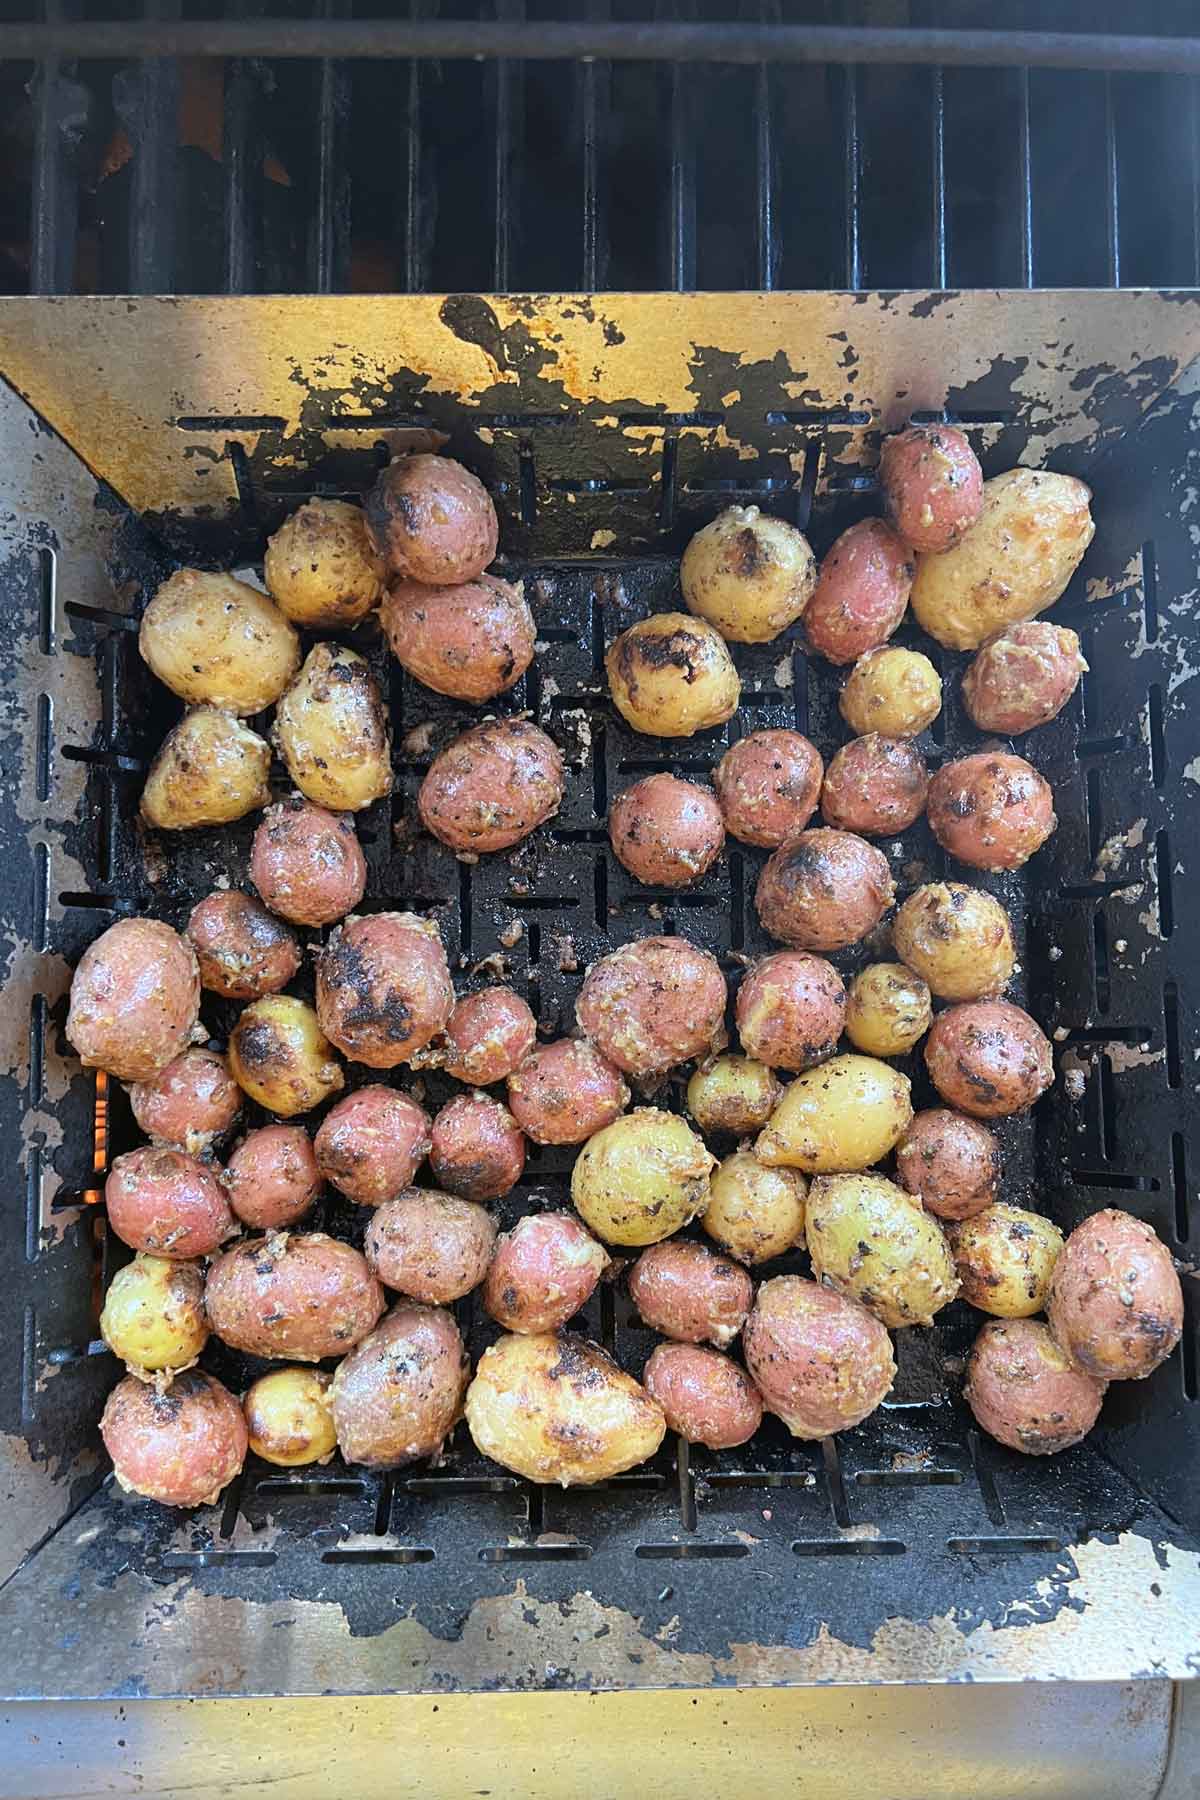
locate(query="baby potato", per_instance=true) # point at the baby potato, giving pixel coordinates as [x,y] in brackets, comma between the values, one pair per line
[307,863]
[383,987]
[321,567]
[297,1295]
[487,1036]
[371,1144]
[1014,562]
[331,729]
[432,520]
[733,1093]
[1115,1303]
[957,938]
[1005,1257]
[135,1000]
[824,890]
[821,1362]
[988,1058]
[768,785]
[650,1005]
[1026,1392]
[243,951]
[492,786]
[991,810]
[875,785]
[563,1092]
[179,1446]
[395,1398]
[871,1240]
[888,1009]
[471,642]
[951,1163]
[558,1409]
[1022,677]
[861,593]
[705,1396]
[748,574]
[154,1317]
[893,691]
[687,1293]
[433,1247]
[477,1148]
[281,1058]
[164,1201]
[641,1178]
[671,676]
[666,832]
[189,1104]
[932,485]
[272,1177]
[542,1272]
[790,1009]
[842,1116]
[288,1420]
[210,770]
[755,1212]
[217,642]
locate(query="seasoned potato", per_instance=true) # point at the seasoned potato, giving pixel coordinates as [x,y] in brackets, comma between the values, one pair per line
[542,1272]
[281,1058]
[824,890]
[371,1144]
[991,810]
[951,1163]
[433,1247]
[1023,677]
[272,1177]
[755,1212]
[888,1009]
[871,1240]
[486,1036]
[477,1149]
[210,770]
[768,785]
[243,951]
[821,1362]
[189,1104]
[790,1010]
[135,999]
[154,1317]
[841,1116]
[288,1420]
[671,676]
[1005,1257]
[331,729]
[432,520]
[875,785]
[861,593]
[1014,562]
[180,1446]
[562,1092]
[395,1398]
[932,485]
[492,786]
[321,567]
[641,1178]
[1115,1303]
[957,938]
[989,1058]
[897,692]
[164,1201]
[652,1004]
[748,574]
[733,1093]
[705,1396]
[307,863]
[1026,1392]
[472,642]
[690,1294]
[383,987]
[215,641]
[558,1409]
[301,1295]
[666,832]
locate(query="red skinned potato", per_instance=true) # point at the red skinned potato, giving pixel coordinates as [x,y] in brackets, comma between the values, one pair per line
[307,863]
[296,1296]
[432,520]
[562,1092]
[1026,1392]
[190,1104]
[486,1036]
[821,1361]
[932,485]
[768,785]
[272,1177]
[472,641]
[1023,677]
[988,1058]
[705,1396]
[666,832]
[371,1144]
[652,1004]
[791,1008]
[951,1163]
[395,1398]
[690,1294]
[433,1247]
[478,1150]
[861,593]
[242,950]
[180,1446]
[542,1272]
[875,785]
[168,1203]
[991,810]
[135,999]
[824,890]
[383,987]
[1115,1304]
[492,786]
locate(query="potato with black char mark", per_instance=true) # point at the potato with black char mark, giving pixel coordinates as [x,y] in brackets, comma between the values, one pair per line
[861,593]
[180,1446]
[652,1004]
[991,810]
[1115,1302]
[895,691]
[790,1009]
[824,890]
[153,1316]
[562,1092]
[932,485]
[477,1148]
[1005,1257]
[383,987]
[281,1058]
[821,1362]
[875,785]
[768,785]
[288,1420]
[166,1202]
[135,1000]
[666,832]
[988,1058]
[472,641]
[272,1178]
[243,951]
[432,520]
[748,574]
[433,1247]
[705,1396]
[492,786]
[218,642]
[734,1094]
[690,1294]
[371,1144]
[190,1104]
[888,1009]
[1026,1392]
[641,1178]
[871,1240]
[957,938]
[297,1295]
[395,1398]
[307,862]
[950,1162]
[210,770]
[755,1212]
[321,567]
[331,729]
[671,675]
[542,1272]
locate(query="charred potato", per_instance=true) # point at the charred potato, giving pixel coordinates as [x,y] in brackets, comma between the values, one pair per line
[168,1203]
[991,810]
[790,1009]
[666,832]
[321,567]
[932,485]
[331,730]
[671,676]
[471,642]
[1026,1392]
[211,770]
[753,1212]
[888,1010]
[734,1094]
[1023,677]
[492,786]
[433,1247]
[705,1396]
[875,785]
[824,890]
[768,785]
[432,520]
[871,1240]
[190,1104]
[477,1148]
[1115,1303]
[272,1177]
[307,863]
[842,1116]
[153,1316]
[487,1035]
[1005,1257]
[288,1420]
[652,1004]
[893,691]
[958,940]
[562,1092]
[395,1398]
[383,987]
[748,574]
[281,1058]
[542,1272]
[180,1446]
[988,1058]
[243,951]
[861,593]
[641,1178]
[135,1000]
[216,642]
[951,1163]
[297,1295]
[371,1144]
[689,1294]
[821,1361]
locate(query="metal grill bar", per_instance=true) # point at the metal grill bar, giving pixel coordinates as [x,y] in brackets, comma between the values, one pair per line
[938,149]
[1026,185]
[852,176]
[55,204]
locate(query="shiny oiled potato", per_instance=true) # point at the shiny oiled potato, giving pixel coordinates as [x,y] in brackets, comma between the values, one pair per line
[383,987]
[871,1240]
[755,1212]
[824,890]
[562,1092]
[932,485]
[371,1144]
[888,1009]
[897,692]
[1023,677]
[821,1361]
[558,1409]
[768,785]
[298,1295]
[321,567]
[641,1178]
[733,1093]
[471,642]
[210,770]
[671,676]
[690,1294]
[542,1272]
[1005,1257]
[951,1163]
[180,1446]
[432,520]
[272,1177]
[487,1036]
[166,1202]
[217,641]
[1026,1392]
[875,785]
[841,1116]
[861,593]
[957,938]
[991,810]
[135,1000]
[988,1058]
[492,786]
[477,1148]
[242,949]
[666,832]
[281,1058]
[1014,562]
[652,1004]
[705,1396]
[331,730]
[396,1397]
[307,863]
[790,1009]
[189,1104]
[153,1316]
[1115,1302]
[288,1420]
[748,574]
[433,1247]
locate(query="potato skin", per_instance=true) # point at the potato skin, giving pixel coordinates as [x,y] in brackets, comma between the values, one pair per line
[950,1162]
[471,642]
[957,938]
[395,1398]
[748,574]
[383,987]
[280,1056]
[824,890]
[875,785]
[153,1316]
[542,1272]
[331,729]
[790,1010]
[821,1361]
[842,1116]
[487,1036]
[492,786]
[641,1178]
[652,1004]
[1025,1392]
[1115,1303]
[322,568]
[705,1396]
[753,1212]
[168,1203]
[988,1058]
[558,1409]
[432,520]
[1014,562]
[690,1294]
[861,593]
[871,1240]
[991,810]
[433,1247]
[371,1144]
[1022,677]
[218,642]
[179,1447]
[478,1149]
[894,691]
[734,1094]
[671,675]
[563,1092]
[190,1104]
[888,1009]
[932,485]
[242,950]
[272,1177]
[135,999]
[288,1420]
[1005,1257]
[292,1295]
[666,832]
[768,785]
[307,863]
[210,770]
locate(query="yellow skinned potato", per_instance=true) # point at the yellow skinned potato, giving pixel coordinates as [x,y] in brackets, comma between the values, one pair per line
[331,730]
[957,938]
[288,1420]
[843,1115]
[153,1316]
[872,1241]
[733,1093]
[1005,1257]
[748,574]
[641,1178]
[754,1212]
[888,1009]
[321,566]
[215,640]
[895,692]
[211,770]
[280,1056]
[671,675]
